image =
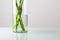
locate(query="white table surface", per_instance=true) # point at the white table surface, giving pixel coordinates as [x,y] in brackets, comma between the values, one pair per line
[35,34]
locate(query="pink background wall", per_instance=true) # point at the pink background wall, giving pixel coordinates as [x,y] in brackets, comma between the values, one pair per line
[41,13]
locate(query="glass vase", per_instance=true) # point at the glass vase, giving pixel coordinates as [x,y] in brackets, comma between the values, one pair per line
[20,17]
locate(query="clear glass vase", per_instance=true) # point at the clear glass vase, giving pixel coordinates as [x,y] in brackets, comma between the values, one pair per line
[20,17]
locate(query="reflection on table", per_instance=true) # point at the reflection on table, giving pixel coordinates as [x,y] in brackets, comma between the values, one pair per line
[19,36]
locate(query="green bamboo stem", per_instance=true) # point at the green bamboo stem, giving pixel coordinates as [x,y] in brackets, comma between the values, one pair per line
[18,16]
[22,24]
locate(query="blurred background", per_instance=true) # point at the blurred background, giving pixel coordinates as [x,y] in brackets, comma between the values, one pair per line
[43,14]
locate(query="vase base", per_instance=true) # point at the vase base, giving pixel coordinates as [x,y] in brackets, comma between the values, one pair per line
[20,31]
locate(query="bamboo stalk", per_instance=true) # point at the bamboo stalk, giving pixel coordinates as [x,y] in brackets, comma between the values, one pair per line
[18,16]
